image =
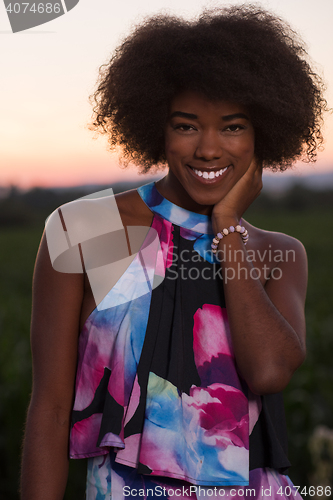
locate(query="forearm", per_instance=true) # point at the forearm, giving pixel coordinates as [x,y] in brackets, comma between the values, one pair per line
[267,348]
[45,454]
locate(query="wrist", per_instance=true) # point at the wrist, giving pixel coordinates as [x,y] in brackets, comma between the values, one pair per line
[221,221]
[231,231]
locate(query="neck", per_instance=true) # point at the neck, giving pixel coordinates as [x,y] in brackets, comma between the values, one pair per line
[171,189]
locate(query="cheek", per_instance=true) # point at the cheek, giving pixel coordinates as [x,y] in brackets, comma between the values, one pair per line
[249,149]
[177,147]
[243,147]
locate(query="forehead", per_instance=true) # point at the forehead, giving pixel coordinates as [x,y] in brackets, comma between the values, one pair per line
[198,104]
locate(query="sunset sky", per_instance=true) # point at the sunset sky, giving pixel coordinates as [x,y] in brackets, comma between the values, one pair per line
[48,72]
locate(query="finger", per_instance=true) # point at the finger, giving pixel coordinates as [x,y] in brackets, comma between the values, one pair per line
[257,164]
[260,166]
[253,169]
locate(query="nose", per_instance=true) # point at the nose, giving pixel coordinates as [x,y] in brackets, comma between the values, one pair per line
[209,146]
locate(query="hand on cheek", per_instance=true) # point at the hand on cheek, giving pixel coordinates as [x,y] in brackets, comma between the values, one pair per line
[231,208]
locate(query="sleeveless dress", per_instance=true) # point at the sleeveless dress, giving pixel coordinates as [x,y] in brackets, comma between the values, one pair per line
[160,409]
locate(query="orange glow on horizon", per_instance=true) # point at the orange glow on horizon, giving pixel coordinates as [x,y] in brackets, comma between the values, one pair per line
[89,162]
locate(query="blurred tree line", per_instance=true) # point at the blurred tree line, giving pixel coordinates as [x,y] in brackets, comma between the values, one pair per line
[300,212]
[27,208]
[31,208]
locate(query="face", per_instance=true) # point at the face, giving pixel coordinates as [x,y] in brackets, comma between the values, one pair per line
[209,145]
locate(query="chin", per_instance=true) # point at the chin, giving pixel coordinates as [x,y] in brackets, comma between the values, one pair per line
[203,201]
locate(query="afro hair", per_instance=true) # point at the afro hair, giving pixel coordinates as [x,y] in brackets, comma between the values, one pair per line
[242,54]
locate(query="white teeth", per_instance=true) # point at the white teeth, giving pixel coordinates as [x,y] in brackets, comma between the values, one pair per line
[210,175]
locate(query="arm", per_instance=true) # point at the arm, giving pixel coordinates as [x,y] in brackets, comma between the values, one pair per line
[57,299]
[266,320]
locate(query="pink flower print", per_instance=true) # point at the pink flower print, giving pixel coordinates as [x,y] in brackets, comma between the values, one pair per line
[223,412]
[164,229]
[213,353]
[202,436]
[92,361]
[82,432]
[211,334]
[255,406]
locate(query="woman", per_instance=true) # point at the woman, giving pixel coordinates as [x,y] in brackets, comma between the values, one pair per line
[186,342]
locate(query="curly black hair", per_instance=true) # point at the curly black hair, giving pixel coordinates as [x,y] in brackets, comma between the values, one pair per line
[242,54]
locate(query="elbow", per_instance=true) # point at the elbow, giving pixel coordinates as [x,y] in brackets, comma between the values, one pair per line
[273,378]
[268,384]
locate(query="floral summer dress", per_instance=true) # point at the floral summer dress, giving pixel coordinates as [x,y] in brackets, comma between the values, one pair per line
[160,409]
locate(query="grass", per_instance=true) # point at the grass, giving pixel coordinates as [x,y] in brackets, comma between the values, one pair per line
[18,248]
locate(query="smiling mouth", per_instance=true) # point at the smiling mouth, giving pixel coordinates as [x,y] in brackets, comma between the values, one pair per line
[209,175]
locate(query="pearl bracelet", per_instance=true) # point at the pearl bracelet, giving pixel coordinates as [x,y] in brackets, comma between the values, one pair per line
[238,229]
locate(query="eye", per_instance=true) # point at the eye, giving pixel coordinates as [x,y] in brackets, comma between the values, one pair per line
[184,127]
[236,127]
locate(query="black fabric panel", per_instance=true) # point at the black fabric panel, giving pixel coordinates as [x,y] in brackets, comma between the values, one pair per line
[268,440]
[97,404]
[112,418]
[103,403]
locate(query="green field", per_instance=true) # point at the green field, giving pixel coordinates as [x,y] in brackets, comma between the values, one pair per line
[309,398]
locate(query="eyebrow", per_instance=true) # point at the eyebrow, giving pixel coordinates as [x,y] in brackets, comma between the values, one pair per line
[181,114]
[235,115]
[191,116]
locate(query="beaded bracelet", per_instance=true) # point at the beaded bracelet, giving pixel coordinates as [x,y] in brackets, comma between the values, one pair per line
[238,229]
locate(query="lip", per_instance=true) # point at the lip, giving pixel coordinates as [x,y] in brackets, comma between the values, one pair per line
[208,181]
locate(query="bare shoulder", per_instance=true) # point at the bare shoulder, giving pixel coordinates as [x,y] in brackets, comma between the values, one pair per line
[133,211]
[280,259]
[275,241]
[95,214]
[90,217]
